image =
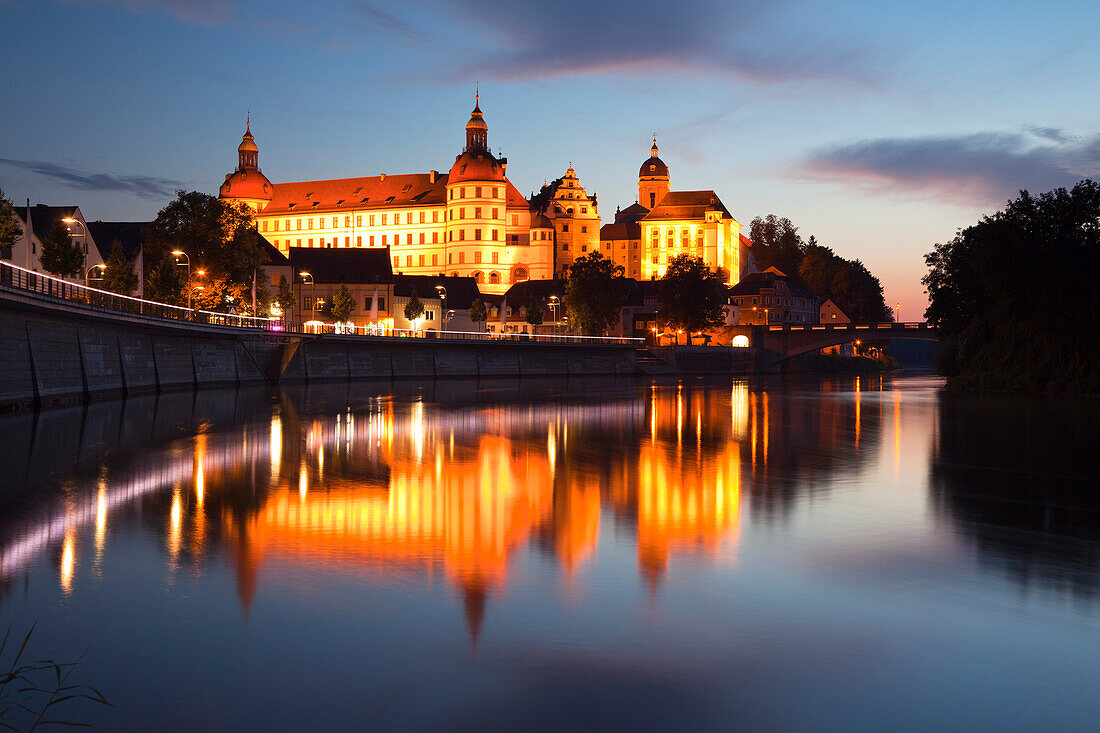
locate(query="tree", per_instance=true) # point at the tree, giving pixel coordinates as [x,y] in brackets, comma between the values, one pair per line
[118,274]
[284,296]
[533,311]
[478,314]
[342,304]
[165,282]
[218,238]
[61,255]
[594,293]
[847,282]
[414,308]
[1014,297]
[775,243]
[9,227]
[692,296]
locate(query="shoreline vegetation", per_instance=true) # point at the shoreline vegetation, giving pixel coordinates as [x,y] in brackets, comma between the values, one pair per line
[1015,298]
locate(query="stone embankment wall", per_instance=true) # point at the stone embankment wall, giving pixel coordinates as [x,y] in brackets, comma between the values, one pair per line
[55,353]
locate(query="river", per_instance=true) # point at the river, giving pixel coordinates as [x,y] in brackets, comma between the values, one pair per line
[866,553]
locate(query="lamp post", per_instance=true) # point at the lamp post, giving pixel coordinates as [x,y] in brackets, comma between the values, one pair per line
[192,292]
[313,290]
[897,312]
[84,236]
[88,274]
[442,306]
[554,310]
[177,253]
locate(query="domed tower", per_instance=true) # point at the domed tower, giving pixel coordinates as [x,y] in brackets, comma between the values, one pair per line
[247,185]
[477,209]
[653,182]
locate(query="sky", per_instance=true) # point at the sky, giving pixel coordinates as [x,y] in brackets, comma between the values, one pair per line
[878,127]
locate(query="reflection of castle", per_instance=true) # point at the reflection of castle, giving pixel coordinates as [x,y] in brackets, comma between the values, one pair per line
[413,487]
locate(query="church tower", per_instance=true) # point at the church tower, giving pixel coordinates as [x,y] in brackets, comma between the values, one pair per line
[653,182]
[247,185]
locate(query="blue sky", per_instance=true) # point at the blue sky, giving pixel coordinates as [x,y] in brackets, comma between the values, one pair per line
[878,127]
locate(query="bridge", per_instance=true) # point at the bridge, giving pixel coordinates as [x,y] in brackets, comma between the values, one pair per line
[778,343]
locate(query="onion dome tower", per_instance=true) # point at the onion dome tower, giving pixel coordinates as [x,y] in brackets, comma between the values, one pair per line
[247,185]
[653,180]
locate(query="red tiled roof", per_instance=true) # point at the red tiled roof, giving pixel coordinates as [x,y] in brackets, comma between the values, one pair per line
[620,230]
[370,192]
[745,240]
[687,205]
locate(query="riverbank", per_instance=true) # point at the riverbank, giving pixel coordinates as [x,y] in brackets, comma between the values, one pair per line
[833,364]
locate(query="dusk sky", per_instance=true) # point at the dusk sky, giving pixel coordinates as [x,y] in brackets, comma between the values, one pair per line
[879,127]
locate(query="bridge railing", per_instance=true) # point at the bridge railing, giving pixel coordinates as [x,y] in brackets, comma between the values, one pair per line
[47,287]
[883,326]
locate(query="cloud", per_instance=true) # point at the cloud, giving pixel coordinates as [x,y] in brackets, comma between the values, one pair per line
[199,12]
[147,187]
[982,168]
[752,40]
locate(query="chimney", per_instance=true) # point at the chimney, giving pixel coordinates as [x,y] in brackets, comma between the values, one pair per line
[504,165]
[431,176]
[382,177]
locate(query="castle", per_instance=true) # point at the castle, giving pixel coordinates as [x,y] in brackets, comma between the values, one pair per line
[473,222]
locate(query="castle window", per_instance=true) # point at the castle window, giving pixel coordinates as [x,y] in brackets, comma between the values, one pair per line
[435,217]
[359,241]
[408,260]
[494,278]
[462,191]
[396,261]
[359,220]
[372,240]
[435,260]
[462,258]
[477,257]
[299,223]
[265,225]
[477,235]
[321,223]
[452,194]
[372,219]
[347,241]
[477,212]
[435,237]
[584,230]
[515,220]
[311,241]
[421,217]
[347,221]
[384,219]
[462,213]
[513,238]
[569,210]
[565,227]
[494,235]
[422,237]
[495,194]
[520,274]
[496,257]
[477,277]
[409,238]
[477,192]
[462,235]
[384,239]
[496,211]
[584,209]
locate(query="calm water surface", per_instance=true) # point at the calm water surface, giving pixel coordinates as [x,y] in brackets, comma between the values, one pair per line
[852,554]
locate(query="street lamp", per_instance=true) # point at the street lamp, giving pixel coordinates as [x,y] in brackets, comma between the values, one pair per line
[192,292]
[88,274]
[313,289]
[70,221]
[897,312]
[554,309]
[442,305]
[180,253]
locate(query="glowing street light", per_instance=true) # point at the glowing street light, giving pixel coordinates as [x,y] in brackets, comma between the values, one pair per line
[897,312]
[84,235]
[191,292]
[177,253]
[313,289]
[88,274]
[442,304]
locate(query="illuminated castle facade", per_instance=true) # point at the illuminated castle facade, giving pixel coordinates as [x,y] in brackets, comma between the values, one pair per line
[472,222]
[469,222]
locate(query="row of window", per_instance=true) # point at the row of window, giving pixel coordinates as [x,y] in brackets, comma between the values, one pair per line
[385,240]
[569,210]
[422,260]
[768,300]
[410,217]
[476,190]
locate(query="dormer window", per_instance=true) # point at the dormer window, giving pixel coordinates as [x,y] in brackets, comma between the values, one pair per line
[356,191]
[309,194]
[406,188]
[291,205]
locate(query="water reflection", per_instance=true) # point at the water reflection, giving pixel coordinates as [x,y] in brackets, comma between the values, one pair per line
[457,478]
[1017,475]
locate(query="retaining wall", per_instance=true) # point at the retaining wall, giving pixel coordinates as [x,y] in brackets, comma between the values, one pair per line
[60,352]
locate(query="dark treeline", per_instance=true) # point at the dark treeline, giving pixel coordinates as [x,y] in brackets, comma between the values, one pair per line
[777,243]
[1015,298]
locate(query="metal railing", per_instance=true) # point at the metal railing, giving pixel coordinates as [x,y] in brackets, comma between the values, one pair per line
[883,326]
[48,287]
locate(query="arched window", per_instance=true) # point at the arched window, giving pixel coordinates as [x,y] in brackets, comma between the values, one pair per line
[519,275]
[494,278]
[478,277]
[569,210]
